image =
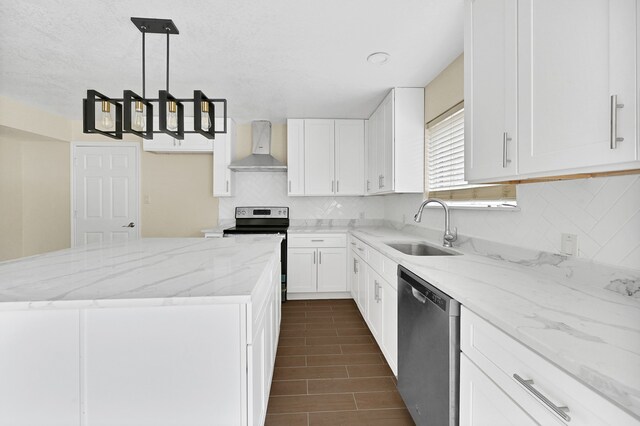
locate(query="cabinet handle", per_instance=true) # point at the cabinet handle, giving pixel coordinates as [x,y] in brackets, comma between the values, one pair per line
[174,142]
[379,181]
[352,243]
[355,265]
[528,385]
[289,186]
[505,156]
[319,258]
[227,186]
[317,241]
[382,181]
[337,186]
[368,185]
[332,185]
[360,248]
[614,139]
[314,257]
[375,287]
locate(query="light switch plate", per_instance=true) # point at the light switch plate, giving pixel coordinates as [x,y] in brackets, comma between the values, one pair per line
[569,244]
[147,199]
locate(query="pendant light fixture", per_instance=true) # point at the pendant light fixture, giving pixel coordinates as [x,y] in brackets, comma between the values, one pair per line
[137,110]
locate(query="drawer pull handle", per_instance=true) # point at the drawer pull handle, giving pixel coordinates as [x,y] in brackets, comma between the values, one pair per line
[528,385]
[353,244]
[317,241]
[360,248]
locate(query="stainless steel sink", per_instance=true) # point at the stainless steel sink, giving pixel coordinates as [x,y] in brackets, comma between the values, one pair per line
[421,249]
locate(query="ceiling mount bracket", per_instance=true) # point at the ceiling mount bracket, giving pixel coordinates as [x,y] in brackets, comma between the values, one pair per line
[155,26]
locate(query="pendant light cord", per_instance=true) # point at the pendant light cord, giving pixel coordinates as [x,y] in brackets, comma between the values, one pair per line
[167,62]
[144,95]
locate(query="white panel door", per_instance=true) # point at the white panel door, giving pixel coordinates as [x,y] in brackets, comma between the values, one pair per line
[491,102]
[162,366]
[573,56]
[319,151]
[332,269]
[295,156]
[105,179]
[40,378]
[349,160]
[483,403]
[302,274]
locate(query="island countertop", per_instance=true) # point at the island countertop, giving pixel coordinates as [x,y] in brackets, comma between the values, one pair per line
[145,272]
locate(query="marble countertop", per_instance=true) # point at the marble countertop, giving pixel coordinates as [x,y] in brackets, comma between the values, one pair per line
[560,309]
[145,272]
[318,230]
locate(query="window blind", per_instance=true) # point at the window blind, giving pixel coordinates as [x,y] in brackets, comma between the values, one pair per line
[445,156]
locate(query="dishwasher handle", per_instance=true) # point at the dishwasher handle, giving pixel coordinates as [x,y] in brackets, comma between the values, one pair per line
[421,297]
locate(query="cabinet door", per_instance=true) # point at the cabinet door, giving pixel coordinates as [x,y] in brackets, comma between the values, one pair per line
[40,353]
[491,135]
[195,142]
[374,306]
[349,158]
[352,264]
[572,58]
[223,153]
[362,285]
[371,184]
[332,269]
[387,143]
[319,152]
[389,301]
[295,157]
[301,270]
[483,403]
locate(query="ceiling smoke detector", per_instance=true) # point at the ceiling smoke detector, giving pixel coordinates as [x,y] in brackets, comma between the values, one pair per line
[378,58]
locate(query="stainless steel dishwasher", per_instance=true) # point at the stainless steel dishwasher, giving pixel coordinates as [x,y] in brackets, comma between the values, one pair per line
[428,351]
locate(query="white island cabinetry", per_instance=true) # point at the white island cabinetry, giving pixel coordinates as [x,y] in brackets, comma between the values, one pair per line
[159,343]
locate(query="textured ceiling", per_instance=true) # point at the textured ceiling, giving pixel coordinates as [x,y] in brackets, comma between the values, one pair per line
[271,59]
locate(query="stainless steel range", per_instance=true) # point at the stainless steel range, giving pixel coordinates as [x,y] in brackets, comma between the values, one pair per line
[265,220]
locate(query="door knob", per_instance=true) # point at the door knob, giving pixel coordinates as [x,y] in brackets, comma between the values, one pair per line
[130,225]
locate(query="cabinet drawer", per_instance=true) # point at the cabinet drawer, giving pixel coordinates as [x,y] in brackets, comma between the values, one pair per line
[390,272]
[317,240]
[505,360]
[360,248]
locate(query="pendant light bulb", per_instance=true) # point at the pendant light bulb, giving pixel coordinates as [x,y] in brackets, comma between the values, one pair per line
[172,118]
[107,120]
[139,120]
[204,117]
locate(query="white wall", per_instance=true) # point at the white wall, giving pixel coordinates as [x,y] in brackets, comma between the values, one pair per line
[270,189]
[603,212]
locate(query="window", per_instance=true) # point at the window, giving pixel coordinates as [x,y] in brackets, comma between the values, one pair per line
[444,177]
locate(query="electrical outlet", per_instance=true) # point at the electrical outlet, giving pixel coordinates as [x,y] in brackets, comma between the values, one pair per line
[569,244]
[147,199]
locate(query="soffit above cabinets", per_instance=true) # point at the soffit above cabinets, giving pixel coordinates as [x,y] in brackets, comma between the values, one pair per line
[271,60]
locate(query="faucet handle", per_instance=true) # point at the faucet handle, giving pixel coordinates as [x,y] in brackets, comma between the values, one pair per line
[450,236]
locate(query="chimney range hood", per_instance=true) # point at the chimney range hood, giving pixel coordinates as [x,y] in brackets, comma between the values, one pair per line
[260,160]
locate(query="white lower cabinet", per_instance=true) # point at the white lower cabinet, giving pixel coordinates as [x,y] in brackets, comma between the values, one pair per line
[494,365]
[483,403]
[317,263]
[376,297]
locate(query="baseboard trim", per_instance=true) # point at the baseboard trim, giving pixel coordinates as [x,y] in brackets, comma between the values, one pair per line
[316,296]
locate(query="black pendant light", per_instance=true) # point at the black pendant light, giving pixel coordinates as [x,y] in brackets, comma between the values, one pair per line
[137,110]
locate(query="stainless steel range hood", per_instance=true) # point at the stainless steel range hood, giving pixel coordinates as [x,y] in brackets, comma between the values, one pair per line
[260,160]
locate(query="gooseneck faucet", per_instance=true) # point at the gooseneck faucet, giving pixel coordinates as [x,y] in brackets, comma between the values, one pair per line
[449,236]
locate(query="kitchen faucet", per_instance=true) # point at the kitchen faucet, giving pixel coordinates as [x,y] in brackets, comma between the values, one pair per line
[449,237]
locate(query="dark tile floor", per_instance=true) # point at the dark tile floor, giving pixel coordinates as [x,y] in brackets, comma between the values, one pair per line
[330,371]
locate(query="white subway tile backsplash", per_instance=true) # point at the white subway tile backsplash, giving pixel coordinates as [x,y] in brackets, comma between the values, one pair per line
[603,212]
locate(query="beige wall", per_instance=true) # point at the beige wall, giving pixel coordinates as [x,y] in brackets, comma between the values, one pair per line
[278,141]
[34,194]
[444,91]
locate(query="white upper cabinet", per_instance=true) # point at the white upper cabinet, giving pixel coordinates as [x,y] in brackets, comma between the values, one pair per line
[550,88]
[573,58]
[192,142]
[295,156]
[325,156]
[491,102]
[223,154]
[395,151]
[349,157]
[319,152]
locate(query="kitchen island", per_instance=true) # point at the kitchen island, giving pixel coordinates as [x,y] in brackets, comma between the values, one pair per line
[147,332]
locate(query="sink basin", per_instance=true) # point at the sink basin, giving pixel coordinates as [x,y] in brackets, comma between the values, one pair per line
[421,249]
